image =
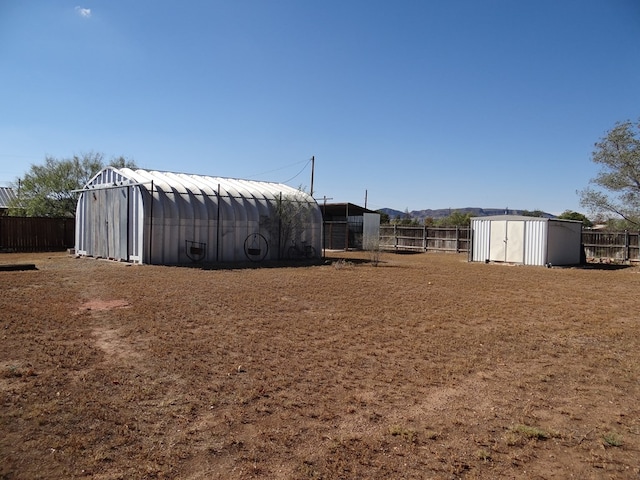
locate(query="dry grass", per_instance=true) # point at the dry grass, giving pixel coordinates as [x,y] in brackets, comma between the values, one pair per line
[425,366]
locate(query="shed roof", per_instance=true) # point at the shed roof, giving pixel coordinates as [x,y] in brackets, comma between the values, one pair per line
[6,196]
[524,218]
[338,209]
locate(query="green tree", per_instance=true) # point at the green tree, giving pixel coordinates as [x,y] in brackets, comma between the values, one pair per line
[405,219]
[618,224]
[384,218]
[616,188]
[289,216]
[571,215]
[456,218]
[47,190]
[534,213]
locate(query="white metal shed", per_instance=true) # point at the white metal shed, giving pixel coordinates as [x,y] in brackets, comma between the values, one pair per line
[174,218]
[526,240]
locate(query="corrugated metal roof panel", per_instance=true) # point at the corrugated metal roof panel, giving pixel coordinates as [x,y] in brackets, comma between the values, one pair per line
[6,195]
[512,217]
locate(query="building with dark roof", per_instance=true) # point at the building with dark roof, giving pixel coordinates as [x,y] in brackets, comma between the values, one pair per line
[349,226]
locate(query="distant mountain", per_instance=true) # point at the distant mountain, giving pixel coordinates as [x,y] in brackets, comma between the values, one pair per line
[445,212]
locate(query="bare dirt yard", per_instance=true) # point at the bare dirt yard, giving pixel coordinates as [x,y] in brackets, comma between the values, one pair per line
[425,366]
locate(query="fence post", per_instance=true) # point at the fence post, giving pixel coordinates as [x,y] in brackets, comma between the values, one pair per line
[395,237]
[627,247]
[346,228]
[425,242]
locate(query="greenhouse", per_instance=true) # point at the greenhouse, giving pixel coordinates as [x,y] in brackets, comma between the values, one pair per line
[166,218]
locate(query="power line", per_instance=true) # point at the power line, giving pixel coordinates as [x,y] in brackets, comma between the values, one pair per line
[303,168]
[278,169]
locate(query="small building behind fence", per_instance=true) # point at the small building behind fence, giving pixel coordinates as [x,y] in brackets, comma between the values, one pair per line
[349,226]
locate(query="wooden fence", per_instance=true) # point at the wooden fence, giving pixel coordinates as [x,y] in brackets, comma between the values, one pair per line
[425,239]
[36,234]
[611,246]
[598,246]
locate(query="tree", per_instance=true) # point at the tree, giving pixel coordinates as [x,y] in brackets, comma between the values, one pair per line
[384,218]
[617,186]
[47,190]
[571,215]
[405,219]
[287,220]
[534,213]
[456,218]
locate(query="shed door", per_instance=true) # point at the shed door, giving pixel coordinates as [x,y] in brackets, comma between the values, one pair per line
[507,241]
[498,241]
[515,242]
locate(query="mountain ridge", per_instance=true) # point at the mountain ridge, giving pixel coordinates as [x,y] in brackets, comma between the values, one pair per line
[445,212]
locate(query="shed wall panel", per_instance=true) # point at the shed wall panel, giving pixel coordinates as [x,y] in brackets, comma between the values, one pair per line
[535,238]
[481,240]
[371,231]
[565,241]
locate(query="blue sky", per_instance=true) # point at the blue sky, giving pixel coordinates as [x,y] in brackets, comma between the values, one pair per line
[418,103]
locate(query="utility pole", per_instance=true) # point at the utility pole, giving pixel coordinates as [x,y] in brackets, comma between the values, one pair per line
[365,198]
[313,164]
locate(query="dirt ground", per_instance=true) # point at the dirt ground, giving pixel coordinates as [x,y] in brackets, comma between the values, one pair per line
[425,366]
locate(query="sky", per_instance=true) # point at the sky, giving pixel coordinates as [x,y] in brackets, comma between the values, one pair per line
[408,104]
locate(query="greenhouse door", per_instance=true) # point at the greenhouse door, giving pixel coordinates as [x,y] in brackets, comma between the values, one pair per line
[110,221]
[506,244]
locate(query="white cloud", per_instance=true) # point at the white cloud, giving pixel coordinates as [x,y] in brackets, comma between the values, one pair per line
[83,12]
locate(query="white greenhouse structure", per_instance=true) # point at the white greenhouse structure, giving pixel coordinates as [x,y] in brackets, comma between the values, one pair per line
[166,218]
[526,240]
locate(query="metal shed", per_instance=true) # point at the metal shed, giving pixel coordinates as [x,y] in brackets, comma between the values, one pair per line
[169,218]
[526,240]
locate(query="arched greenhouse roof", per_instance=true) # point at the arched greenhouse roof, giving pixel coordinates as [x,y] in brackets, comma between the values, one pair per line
[184,183]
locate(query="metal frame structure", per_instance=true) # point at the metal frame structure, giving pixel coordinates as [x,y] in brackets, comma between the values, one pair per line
[165,218]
